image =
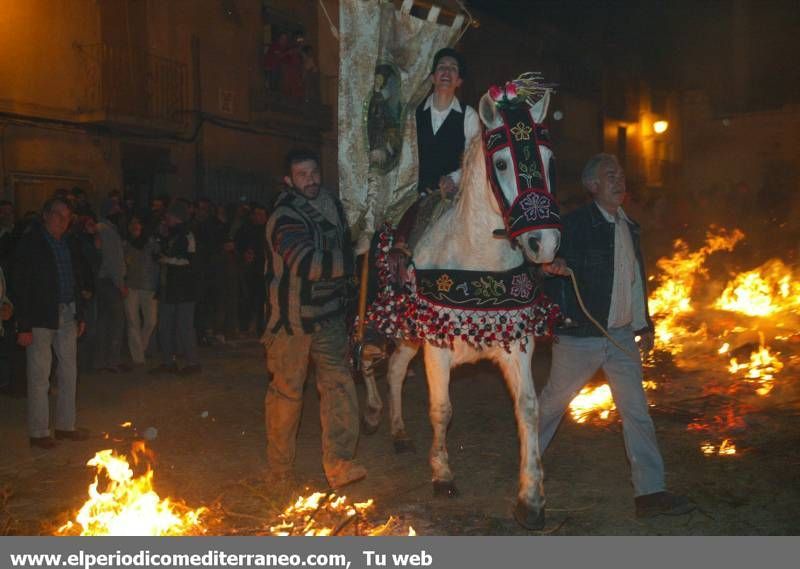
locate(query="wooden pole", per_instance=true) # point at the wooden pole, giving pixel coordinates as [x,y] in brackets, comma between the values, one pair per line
[362,297]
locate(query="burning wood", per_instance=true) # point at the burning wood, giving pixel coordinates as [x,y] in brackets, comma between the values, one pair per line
[126,505]
[726,448]
[597,402]
[761,369]
[672,300]
[771,288]
[326,514]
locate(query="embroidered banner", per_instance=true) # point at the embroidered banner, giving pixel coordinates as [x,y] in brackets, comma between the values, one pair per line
[385,62]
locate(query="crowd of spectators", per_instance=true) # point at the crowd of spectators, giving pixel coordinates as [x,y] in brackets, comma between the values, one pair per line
[166,279]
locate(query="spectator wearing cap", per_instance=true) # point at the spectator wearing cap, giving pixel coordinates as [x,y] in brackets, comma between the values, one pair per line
[111,291]
[177,294]
[50,278]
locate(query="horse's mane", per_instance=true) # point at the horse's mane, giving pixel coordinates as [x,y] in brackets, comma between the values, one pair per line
[473,172]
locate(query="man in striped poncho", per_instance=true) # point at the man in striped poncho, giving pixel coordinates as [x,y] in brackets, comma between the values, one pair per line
[309,259]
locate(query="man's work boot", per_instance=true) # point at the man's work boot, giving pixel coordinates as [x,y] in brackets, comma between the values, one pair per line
[343,473]
[662,503]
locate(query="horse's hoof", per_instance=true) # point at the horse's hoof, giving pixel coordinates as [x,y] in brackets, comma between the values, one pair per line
[369,428]
[444,489]
[527,517]
[402,446]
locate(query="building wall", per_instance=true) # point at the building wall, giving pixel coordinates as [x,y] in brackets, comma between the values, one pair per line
[220,147]
[41,66]
[758,150]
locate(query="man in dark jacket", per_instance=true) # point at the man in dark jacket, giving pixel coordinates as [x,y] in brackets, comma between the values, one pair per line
[49,277]
[250,246]
[177,294]
[601,245]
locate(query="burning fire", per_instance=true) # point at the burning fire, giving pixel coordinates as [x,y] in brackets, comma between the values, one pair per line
[325,514]
[128,505]
[764,291]
[592,400]
[597,401]
[726,448]
[672,300]
[761,369]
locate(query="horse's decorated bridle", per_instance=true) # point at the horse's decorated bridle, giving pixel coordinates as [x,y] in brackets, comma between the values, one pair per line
[534,207]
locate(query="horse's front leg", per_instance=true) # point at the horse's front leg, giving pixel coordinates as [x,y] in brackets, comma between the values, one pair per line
[396,375]
[438,362]
[516,366]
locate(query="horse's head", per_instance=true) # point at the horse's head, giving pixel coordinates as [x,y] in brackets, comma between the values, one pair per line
[519,164]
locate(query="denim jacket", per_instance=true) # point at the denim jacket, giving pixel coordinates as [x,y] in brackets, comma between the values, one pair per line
[587,245]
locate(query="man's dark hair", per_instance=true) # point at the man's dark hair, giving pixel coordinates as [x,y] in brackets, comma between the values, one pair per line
[450,52]
[50,204]
[298,155]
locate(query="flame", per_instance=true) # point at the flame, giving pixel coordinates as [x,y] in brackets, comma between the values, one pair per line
[761,369]
[129,505]
[672,300]
[592,400]
[597,401]
[726,448]
[126,424]
[771,288]
[326,514]
[724,349]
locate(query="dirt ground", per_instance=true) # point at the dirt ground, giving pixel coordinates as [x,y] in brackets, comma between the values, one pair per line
[210,449]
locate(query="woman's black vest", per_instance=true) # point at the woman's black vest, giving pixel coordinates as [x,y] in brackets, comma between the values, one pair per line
[440,153]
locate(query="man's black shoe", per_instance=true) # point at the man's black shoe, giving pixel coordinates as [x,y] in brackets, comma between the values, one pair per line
[78,434]
[164,368]
[662,503]
[43,442]
[191,369]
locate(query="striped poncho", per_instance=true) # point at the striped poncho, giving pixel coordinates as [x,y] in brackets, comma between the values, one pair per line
[309,260]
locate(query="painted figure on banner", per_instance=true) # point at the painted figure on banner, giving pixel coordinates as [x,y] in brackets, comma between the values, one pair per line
[384,132]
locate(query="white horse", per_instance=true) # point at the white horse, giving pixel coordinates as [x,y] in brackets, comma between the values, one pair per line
[467,238]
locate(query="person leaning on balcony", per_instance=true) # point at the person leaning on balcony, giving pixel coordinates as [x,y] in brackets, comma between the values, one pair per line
[51,280]
[309,263]
[601,246]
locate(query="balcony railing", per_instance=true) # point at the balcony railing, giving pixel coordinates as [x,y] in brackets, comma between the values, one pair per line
[307,107]
[129,85]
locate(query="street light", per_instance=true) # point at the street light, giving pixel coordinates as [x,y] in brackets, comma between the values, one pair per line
[660,126]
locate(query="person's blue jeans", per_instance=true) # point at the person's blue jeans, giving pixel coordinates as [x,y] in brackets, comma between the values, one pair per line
[62,343]
[575,361]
